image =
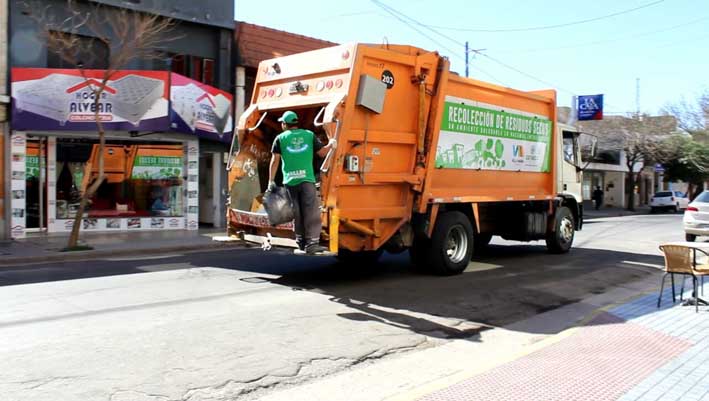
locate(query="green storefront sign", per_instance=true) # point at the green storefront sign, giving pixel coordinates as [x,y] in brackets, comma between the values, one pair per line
[481,137]
[32,167]
[157,167]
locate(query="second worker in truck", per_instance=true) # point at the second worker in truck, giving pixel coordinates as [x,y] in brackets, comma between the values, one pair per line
[296,147]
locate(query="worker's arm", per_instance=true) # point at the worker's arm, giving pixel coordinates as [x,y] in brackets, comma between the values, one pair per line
[331,144]
[275,160]
[273,169]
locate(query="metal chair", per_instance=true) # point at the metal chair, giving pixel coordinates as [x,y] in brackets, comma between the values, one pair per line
[680,259]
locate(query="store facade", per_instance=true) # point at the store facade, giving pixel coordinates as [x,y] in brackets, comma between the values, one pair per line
[154,122]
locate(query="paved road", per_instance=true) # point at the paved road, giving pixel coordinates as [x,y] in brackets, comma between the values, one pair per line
[235,324]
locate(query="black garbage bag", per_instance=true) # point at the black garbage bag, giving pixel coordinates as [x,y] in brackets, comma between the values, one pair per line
[278,205]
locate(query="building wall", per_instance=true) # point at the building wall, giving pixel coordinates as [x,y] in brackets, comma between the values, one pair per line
[27,50]
[218,13]
[4,90]
[203,29]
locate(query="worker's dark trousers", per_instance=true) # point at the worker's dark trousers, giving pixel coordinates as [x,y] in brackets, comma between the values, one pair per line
[307,213]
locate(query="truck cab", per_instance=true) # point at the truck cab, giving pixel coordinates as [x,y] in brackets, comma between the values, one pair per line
[570,178]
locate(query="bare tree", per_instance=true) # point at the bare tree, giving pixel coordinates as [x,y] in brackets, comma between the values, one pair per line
[692,117]
[643,140]
[128,34]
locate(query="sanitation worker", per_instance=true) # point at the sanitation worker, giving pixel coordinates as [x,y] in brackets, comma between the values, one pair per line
[295,148]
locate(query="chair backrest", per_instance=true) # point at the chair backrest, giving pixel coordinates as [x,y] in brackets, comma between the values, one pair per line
[678,258]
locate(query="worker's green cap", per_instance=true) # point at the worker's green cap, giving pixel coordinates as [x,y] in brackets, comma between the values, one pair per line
[289,117]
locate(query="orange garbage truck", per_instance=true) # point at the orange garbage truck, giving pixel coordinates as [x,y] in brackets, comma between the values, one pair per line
[427,161]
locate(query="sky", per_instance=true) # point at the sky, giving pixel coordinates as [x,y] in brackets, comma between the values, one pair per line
[575,47]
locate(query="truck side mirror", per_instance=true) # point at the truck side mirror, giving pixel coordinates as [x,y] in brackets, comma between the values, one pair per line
[594,148]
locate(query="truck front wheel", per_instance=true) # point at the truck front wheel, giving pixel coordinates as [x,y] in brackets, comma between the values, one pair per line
[560,240]
[451,244]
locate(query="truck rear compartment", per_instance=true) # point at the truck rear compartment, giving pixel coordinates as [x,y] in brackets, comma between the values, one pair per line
[251,169]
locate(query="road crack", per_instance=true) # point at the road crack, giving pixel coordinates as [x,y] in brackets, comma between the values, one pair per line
[304,371]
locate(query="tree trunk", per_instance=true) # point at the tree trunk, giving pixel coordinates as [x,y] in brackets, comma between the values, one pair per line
[690,191]
[90,190]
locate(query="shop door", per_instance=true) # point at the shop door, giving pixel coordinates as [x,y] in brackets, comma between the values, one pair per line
[36,184]
[206,188]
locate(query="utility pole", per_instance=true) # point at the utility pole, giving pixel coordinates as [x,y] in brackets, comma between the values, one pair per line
[467,55]
[637,97]
[468,50]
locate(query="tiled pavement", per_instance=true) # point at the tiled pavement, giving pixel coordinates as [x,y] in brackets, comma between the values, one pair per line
[632,352]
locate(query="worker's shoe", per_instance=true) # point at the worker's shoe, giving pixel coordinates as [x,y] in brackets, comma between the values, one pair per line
[301,245]
[316,249]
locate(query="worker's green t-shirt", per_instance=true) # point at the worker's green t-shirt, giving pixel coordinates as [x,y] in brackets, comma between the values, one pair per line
[297,148]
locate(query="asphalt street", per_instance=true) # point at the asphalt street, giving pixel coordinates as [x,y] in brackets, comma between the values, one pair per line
[240,323]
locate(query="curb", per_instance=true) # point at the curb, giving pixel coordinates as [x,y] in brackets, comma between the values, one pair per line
[94,254]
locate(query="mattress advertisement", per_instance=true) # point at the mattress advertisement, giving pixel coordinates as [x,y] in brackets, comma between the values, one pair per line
[200,109]
[476,136]
[63,99]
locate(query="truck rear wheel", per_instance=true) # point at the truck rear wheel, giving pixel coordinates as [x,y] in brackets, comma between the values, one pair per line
[560,240]
[451,244]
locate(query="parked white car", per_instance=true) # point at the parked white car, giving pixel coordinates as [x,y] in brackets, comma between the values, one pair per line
[696,217]
[669,200]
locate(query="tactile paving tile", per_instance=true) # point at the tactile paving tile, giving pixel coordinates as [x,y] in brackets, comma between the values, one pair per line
[600,361]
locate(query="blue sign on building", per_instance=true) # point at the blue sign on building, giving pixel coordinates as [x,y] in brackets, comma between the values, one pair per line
[590,107]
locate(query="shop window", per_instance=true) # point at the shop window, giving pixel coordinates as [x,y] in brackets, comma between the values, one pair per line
[208,71]
[142,179]
[198,68]
[178,64]
[88,51]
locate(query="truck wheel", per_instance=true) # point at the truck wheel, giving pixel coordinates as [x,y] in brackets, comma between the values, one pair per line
[560,240]
[361,258]
[451,244]
[690,237]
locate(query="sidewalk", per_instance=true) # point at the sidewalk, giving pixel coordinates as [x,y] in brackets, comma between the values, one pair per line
[43,248]
[630,352]
[591,213]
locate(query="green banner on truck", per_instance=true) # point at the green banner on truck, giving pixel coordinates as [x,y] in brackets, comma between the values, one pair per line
[479,136]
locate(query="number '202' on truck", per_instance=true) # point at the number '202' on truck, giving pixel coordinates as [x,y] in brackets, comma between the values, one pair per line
[427,161]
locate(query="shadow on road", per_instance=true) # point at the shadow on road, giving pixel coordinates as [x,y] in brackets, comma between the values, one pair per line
[504,284]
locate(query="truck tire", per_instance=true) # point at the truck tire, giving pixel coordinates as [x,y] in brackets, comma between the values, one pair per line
[451,244]
[361,258]
[690,237]
[560,240]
